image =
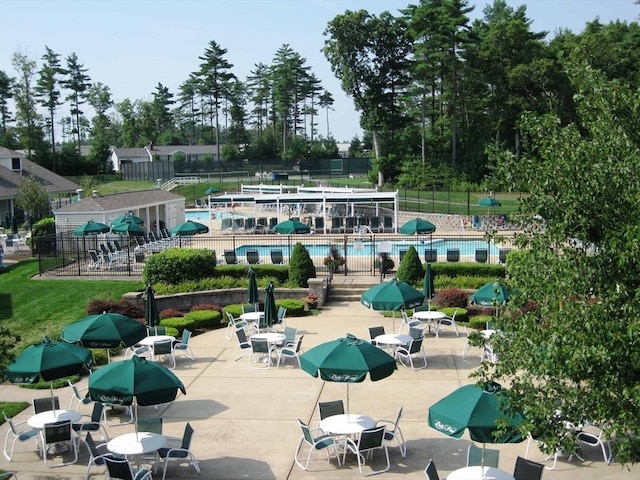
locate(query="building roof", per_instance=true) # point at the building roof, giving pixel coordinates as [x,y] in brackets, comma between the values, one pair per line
[120,201]
[10,180]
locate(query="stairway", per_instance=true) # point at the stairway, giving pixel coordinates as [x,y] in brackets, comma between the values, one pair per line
[349,289]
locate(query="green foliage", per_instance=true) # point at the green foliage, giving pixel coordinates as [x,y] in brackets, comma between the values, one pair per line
[580,344]
[217,283]
[301,267]
[177,265]
[12,409]
[206,319]
[464,282]
[235,309]
[479,322]
[279,272]
[295,308]
[410,270]
[31,196]
[473,269]
[7,354]
[179,324]
[44,226]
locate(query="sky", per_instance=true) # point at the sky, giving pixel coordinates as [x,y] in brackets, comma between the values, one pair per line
[132,45]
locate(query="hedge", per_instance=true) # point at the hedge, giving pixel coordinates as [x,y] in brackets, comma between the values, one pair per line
[279,272]
[176,265]
[206,319]
[469,269]
[295,308]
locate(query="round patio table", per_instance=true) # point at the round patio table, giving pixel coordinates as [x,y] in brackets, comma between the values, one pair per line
[151,339]
[346,424]
[479,473]
[52,416]
[429,316]
[136,443]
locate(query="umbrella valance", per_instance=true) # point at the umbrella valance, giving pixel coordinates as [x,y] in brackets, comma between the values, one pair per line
[417,226]
[393,295]
[290,227]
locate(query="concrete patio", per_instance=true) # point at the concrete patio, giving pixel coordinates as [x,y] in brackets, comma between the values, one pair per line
[245,419]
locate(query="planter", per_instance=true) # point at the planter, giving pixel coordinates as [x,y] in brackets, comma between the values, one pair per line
[310,306]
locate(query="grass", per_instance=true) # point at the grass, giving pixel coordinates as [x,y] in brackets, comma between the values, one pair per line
[11,409]
[34,308]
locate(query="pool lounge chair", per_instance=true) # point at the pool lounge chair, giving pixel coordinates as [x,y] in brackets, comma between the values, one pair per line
[430,255]
[253,257]
[502,255]
[476,222]
[453,255]
[482,255]
[375,224]
[319,224]
[349,225]
[336,224]
[387,223]
[230,257]
[277,257]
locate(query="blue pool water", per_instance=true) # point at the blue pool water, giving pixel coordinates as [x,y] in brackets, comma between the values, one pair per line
[364,249]
[204,215]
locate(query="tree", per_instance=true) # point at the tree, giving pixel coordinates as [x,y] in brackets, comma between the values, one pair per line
[27,118]
[574,352]
[6,93]
[32,197]
[410,270]
[99,98]
[48,91]
[301,267]
[7,354]
[78,82]
[325,101]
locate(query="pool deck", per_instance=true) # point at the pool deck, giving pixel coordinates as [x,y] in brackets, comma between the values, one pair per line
[245,419]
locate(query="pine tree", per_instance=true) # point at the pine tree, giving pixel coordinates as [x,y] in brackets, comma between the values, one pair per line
[301,267]
[410,270]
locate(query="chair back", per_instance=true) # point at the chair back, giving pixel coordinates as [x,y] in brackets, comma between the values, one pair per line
[527,470]
[57,432]
[306,432]
[161,330]
[282,312]
[242,336]
[421,308]
[162,348]
[430,255]
[475,457]
[395,425]
[299,344]
[119,468]
[431,471]
[96,413]
[46,404]
[230,257]
[248,308]
[453,255]
[375,331]
[416,345]
[150,424]
[11,424]
[290,334]
[259,345]
[329,409]
[186,437]
[277,257]
[416,333]
[482,254]
[186,335]
[371,438]
[253,257]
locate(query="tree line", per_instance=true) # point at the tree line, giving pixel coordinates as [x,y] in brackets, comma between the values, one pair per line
[433,89]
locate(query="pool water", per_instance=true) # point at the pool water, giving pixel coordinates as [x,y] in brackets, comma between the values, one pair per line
[364,249]
[204,215]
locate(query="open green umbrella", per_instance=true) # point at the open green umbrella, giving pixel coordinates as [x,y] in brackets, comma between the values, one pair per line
[290,227]
[189,228]
[50,361]
[393,295]
[136,381]
[491,294]
[211,190]
[489,202]
[347,360]
[477,409]
[129,217]
[417,226]
[151,315]
[270,310]
[252,290]
[428,287]
[107,330]
[91,228]
[130,228]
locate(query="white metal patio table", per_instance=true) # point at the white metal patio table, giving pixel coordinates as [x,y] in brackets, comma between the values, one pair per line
[136,444]
[429,316]
[479,473]
[52,416]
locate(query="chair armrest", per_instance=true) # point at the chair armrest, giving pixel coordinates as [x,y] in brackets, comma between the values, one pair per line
[387,422]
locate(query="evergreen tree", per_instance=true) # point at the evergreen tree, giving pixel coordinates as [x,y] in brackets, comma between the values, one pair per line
[301,267]
[410,270]
[48,91]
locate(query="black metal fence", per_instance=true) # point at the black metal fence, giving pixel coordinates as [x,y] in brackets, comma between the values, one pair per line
[350,254]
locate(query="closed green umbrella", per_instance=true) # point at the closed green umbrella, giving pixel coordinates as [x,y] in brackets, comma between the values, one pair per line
[477,409]
[252,289]
[131,218]
[347,360]
[270,310]
[136,381]
[91,228]
[428,287]
[290,227]
[189,228]
[107,330]
[151,315]
[49,360]
[417,226]
[130,228]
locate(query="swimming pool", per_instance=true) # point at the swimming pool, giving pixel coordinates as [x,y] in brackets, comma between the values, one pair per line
[204,215]
[365,249]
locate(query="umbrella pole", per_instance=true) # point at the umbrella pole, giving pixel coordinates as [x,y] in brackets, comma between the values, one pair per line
[348,401]
[53,404]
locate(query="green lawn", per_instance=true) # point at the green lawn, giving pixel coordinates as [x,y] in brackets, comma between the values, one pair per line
[34,308]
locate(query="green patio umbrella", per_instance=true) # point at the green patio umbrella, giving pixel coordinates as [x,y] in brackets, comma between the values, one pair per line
[428,288]
[252,290]
[290,227]
[189,228]
[129,217]
[134,382]
[489,202]
[130,228]
[49,360]
[417,226]
[393,295]
[91,228]
[270,310]
[347,360]
[477,409]
[211,190]
[491,294]
[151,315]
[107,330]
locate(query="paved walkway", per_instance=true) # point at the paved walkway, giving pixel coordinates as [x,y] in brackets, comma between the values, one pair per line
[245,419]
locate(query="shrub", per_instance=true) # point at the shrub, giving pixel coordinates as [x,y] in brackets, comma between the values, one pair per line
[470,269]
[451,297]
[301,267]
[170,312]
[213,283]
[171,330]
[410,270]
[177,265]
[123,307]
[461,315]
[387,263]
[295,308]
[479,322]
[206,306]
[179,324]
[279,272]
[235,309]
[206,319]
